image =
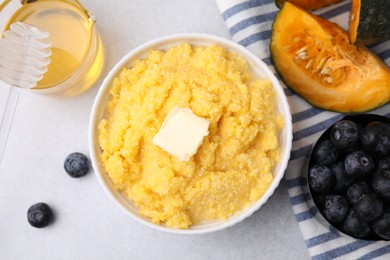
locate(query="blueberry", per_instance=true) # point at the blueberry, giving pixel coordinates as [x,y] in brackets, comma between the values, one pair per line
[76,165]
[325,153]
[381,184]
[321,178]
[357,191]
[335,208]
[376,138]
[369,207]
[39,215]
[359,165]
[345,135]
[383,163]
[354,226]
[342,180]
[381,226]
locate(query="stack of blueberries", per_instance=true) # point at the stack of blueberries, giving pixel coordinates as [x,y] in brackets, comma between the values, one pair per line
[349,176]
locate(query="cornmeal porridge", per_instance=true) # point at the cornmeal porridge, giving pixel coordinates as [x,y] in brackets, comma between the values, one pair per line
[231,169]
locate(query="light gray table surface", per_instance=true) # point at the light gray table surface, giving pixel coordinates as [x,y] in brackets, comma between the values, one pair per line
[87,223]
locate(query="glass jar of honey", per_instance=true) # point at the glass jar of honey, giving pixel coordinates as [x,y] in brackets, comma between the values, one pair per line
[77,54]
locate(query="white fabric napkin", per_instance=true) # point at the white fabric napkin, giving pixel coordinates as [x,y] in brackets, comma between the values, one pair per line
[249,23]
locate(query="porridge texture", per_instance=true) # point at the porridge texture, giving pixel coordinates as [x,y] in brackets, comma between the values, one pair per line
[233,166]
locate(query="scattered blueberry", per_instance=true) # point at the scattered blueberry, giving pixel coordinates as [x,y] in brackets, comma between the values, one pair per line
[335,208]
[369,207]
[342,180]
[381,184]
[354,226]
[321,178]
[381,226]
[76,165]
[357,191]
[325,153]
[39,215]
[359,165]
[376,138]
[345,135]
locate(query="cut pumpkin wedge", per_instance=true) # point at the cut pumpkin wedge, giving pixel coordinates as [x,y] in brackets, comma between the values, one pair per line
[369,21]
[316,59]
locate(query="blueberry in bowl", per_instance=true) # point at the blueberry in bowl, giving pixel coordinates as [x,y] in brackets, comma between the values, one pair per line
[357,190]
[345,135]
[349,176]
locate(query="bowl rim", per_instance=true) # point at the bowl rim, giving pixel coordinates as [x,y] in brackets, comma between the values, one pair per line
[177,39]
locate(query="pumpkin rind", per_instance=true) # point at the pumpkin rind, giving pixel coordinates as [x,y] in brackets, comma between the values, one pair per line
[369,21]
[316,59]
[308,4]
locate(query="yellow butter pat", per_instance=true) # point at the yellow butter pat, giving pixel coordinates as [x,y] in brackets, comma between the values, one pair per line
[181,133]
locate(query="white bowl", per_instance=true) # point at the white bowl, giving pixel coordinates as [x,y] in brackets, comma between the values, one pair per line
[259,68]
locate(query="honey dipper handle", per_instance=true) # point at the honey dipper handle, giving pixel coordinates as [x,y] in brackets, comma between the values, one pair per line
[8,114]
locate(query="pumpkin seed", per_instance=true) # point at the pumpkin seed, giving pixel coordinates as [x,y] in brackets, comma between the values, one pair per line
[301,49]
[329,79]
[325,71]
[309,64]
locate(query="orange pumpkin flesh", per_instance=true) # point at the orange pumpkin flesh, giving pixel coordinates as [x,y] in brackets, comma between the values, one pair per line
[315,58]
[308,4]
[354,20]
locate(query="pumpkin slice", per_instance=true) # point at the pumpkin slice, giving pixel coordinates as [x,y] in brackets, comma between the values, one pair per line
[308,4]
[369,21]
[316,59]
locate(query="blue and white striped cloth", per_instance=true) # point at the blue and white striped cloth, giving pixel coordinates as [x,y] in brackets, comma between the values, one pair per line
[249,23]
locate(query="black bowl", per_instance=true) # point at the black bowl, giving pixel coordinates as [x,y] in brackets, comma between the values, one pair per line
[362,120]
